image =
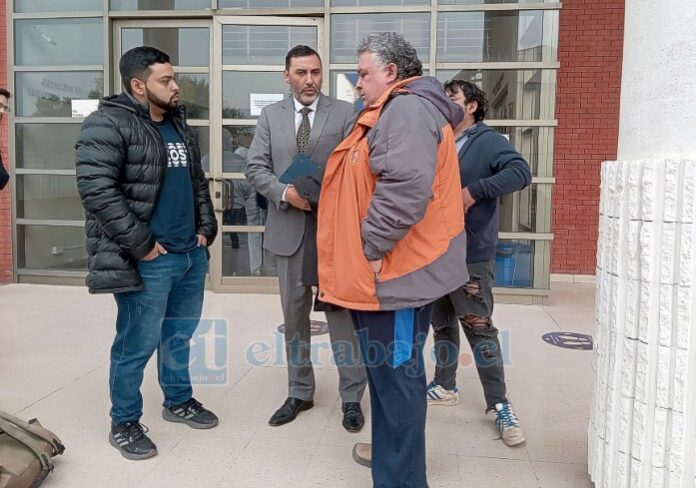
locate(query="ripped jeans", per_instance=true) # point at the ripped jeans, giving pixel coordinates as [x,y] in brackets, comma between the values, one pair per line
[472,307]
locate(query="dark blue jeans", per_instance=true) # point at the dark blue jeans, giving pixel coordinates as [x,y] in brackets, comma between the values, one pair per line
[398,399]
[161,317]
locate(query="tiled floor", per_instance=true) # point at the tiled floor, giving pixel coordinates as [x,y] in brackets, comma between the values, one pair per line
[54,345]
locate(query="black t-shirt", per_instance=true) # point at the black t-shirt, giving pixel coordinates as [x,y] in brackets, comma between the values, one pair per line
[173,220]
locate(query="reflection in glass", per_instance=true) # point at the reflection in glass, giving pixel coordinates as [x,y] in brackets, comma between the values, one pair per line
[514,264]
[347,30]
[512,94]
[238,86]
[518,211]
[159,4]
[535,144]
[195,94]
[46,146]
[343,87]
[376,3]
[263,44]
[243,255]
[202,134]
[21,6]
[238,139]
[185,46]
[248,208]
[45,247]
[269,3]
[48,197]
[480,2]
[48,94]
[58,42]
[490,36]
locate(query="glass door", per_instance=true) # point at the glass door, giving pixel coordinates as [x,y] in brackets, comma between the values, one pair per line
[248,64]
[187,42]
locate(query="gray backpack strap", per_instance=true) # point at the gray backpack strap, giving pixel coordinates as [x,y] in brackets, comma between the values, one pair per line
[37,430]
[29,442]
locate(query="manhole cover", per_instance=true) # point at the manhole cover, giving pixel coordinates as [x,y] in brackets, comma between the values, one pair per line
[318,327]
[569,340]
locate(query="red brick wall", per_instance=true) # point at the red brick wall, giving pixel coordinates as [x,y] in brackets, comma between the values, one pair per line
[587,108]
[5,218]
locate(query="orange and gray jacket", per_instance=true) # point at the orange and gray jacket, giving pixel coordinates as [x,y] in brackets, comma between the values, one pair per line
[391,191]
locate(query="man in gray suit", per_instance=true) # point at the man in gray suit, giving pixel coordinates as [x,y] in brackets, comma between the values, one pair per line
[313,124]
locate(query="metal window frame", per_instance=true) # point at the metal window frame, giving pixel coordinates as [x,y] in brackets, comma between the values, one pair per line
[112,20]
[220,282]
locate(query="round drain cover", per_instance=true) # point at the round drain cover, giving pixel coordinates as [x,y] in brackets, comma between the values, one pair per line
[569,340]
[317,327]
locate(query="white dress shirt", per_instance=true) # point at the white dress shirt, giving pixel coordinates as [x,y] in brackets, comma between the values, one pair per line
[298,114]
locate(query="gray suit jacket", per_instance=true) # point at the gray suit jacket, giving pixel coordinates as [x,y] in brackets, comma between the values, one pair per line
[275,147]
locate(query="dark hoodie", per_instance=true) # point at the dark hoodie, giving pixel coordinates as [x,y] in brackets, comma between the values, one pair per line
[430,88]
[489,167]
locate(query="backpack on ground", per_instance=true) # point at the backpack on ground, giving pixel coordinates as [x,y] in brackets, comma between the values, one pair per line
[26,449]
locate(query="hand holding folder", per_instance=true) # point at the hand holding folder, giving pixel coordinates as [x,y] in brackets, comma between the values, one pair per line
[301,166]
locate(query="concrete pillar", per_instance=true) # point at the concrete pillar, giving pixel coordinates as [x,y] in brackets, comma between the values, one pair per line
[642,429]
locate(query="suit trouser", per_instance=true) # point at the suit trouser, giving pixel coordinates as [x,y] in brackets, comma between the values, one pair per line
[296,300]
[397,398]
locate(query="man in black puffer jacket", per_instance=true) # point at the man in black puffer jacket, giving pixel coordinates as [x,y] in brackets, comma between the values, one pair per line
[149,221]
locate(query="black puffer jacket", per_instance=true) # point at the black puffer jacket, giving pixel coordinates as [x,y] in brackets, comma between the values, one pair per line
[121,162]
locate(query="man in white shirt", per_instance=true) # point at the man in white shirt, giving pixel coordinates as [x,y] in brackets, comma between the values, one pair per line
[313,124]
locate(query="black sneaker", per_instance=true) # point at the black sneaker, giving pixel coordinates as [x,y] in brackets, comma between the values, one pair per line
[131,440]
[192,414]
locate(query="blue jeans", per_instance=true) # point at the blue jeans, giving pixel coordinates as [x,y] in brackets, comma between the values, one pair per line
[398,396]
[162,316]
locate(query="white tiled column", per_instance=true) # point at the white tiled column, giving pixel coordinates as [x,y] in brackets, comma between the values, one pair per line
[642,429]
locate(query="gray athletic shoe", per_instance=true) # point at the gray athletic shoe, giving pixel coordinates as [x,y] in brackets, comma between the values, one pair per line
[192,414]
[131,441]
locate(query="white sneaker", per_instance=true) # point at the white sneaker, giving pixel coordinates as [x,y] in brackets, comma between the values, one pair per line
[508,424]
[437,395]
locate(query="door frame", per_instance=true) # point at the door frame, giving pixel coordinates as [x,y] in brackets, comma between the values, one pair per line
[246,284]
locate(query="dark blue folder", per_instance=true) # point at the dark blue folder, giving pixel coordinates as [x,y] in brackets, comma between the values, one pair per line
[301,166]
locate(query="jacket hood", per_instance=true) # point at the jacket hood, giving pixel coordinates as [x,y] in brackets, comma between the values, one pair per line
[478,129]
[431,89]
[128,102]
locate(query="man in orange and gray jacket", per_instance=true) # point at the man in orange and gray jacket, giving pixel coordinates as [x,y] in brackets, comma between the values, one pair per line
[391,240]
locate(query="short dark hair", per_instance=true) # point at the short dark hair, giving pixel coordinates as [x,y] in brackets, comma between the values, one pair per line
[5,93]
[136,62]
[472,93]
[299,51]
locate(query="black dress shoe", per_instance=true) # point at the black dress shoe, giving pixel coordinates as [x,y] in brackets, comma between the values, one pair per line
[353,418]
[289,411]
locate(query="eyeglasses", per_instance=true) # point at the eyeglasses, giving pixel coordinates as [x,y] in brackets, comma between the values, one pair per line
[5,108]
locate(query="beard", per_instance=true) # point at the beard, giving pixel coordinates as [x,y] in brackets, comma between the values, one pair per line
[164,105]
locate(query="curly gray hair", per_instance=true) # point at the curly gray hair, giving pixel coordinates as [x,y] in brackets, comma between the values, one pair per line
[392,47]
